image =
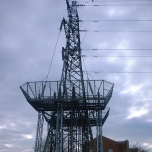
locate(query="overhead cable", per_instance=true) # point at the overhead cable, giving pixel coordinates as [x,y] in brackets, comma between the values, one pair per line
[53,56]
[118,5]
[115,1]
[138,72]
[116,56]
[113,31]
[127,20]
[116,49]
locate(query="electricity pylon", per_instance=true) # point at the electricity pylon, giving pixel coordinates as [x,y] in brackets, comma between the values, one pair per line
[72,107]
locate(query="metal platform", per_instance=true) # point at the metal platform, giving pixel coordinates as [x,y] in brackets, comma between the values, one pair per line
[45,96]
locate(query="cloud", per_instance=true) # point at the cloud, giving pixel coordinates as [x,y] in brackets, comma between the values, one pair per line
[136,112]
[28,136]
[148,145]
[132,89]
[8,145]
[29,31]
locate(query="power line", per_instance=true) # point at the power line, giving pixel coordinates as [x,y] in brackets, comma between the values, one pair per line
[116,56]
[138,72]
[117,1]
[117,49]
[84,37]
[129,20]
[113,31]
[118,5]
[53,56]
[85,68]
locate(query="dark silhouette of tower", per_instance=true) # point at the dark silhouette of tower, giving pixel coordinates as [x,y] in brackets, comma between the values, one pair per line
[72,107]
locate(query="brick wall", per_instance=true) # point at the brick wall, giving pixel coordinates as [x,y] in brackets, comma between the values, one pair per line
[115,146]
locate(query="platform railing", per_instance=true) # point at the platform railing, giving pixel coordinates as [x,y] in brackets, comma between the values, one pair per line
[95,90]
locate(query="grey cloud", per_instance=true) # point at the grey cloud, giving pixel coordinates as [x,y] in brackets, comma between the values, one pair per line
[29,31]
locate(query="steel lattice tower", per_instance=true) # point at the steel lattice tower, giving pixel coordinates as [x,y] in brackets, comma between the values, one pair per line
[72,106]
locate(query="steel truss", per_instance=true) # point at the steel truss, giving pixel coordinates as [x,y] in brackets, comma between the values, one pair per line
[71,106]
[39,132]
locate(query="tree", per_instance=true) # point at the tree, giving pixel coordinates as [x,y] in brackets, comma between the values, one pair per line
[139,148]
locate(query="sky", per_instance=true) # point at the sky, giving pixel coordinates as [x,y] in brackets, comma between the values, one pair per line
[116,47]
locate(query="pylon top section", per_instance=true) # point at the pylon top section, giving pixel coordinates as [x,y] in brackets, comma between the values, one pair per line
[72,74]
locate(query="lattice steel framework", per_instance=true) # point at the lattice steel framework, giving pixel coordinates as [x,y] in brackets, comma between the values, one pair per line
[39,132]
[72,106]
